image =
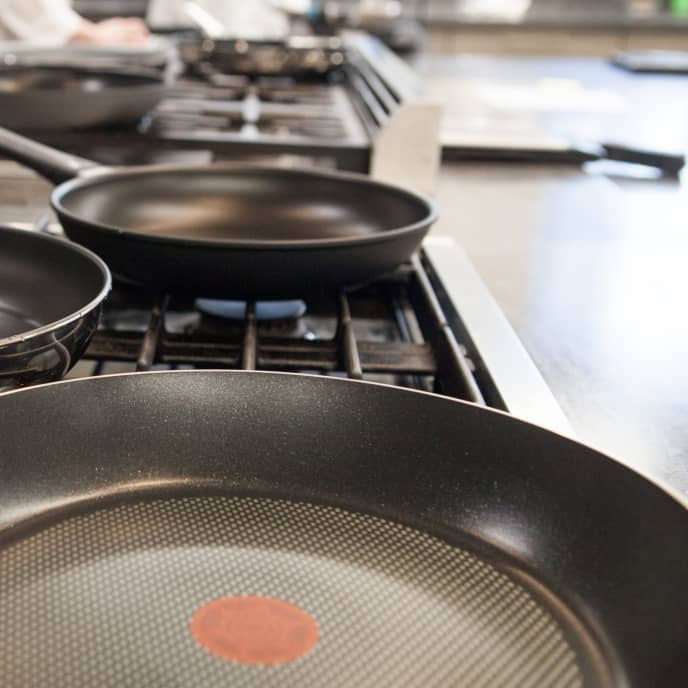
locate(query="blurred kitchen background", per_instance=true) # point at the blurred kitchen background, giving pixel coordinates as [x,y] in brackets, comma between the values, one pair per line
[513,26]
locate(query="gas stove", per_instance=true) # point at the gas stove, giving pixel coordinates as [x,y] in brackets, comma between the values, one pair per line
[231,114]
[431,325]
[333,118]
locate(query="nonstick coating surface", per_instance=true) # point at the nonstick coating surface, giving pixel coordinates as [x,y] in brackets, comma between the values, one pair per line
[116,593]
[244,204]
[240,231]
[231,230]
[608,544]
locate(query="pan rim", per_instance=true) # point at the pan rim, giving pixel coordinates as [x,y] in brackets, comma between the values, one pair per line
[145,77]
[669,491]
[71,317]
[103,174]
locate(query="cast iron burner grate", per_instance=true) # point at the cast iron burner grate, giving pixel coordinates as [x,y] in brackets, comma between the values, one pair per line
[393,331]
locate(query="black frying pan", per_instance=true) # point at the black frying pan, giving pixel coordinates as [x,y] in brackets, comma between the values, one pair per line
[51,294]
[141,543]
[232,229]
[43,97]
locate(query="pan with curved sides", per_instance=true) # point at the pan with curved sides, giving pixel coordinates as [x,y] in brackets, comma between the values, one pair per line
[262,529]
[50,97]
[230,230]
[51,296]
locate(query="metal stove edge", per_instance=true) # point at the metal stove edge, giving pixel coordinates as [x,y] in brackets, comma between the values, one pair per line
[522,387]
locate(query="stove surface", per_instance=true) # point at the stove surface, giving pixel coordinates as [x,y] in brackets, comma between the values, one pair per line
[333,117]
[227,109]
[389,331]
[431,325]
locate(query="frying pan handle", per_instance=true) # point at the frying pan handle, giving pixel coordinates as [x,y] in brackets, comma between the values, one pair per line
[669,163]
[54,165]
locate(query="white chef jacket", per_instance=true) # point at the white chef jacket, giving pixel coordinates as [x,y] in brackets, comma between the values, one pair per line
[250,19]
[52,22]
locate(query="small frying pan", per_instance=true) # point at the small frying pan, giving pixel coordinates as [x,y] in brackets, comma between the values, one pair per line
[297,56]
[51,295]
[292,56]
[231,230]
[48,97]
[256,529]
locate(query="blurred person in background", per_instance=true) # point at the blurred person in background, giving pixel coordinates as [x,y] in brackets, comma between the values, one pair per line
[249,19]
[54,22]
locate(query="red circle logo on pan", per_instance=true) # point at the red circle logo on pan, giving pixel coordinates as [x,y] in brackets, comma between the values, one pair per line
[255,630]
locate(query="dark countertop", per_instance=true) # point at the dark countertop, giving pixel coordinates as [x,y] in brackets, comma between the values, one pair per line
[589,269]
[605,103]
[593,278]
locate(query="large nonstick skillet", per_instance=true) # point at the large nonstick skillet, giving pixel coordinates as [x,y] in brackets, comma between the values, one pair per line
[230,229]
[260,529]
[51,296]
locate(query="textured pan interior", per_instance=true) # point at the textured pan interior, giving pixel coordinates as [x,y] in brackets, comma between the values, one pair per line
[559,512]
[106,598]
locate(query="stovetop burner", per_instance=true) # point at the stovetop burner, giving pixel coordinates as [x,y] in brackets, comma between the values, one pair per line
[431,325]
[237,109]
[264,310]
[331,119]
[391,331]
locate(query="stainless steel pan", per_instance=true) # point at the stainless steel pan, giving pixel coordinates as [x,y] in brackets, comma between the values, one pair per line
[51,296]
[46,97]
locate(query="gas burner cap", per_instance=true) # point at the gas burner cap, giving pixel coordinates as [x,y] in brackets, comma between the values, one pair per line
[265,310]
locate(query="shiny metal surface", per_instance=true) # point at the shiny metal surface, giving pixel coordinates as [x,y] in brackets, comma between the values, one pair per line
[520,384]
[47,356]
[51,295]
[589,270]
[307,55]
[53,97]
